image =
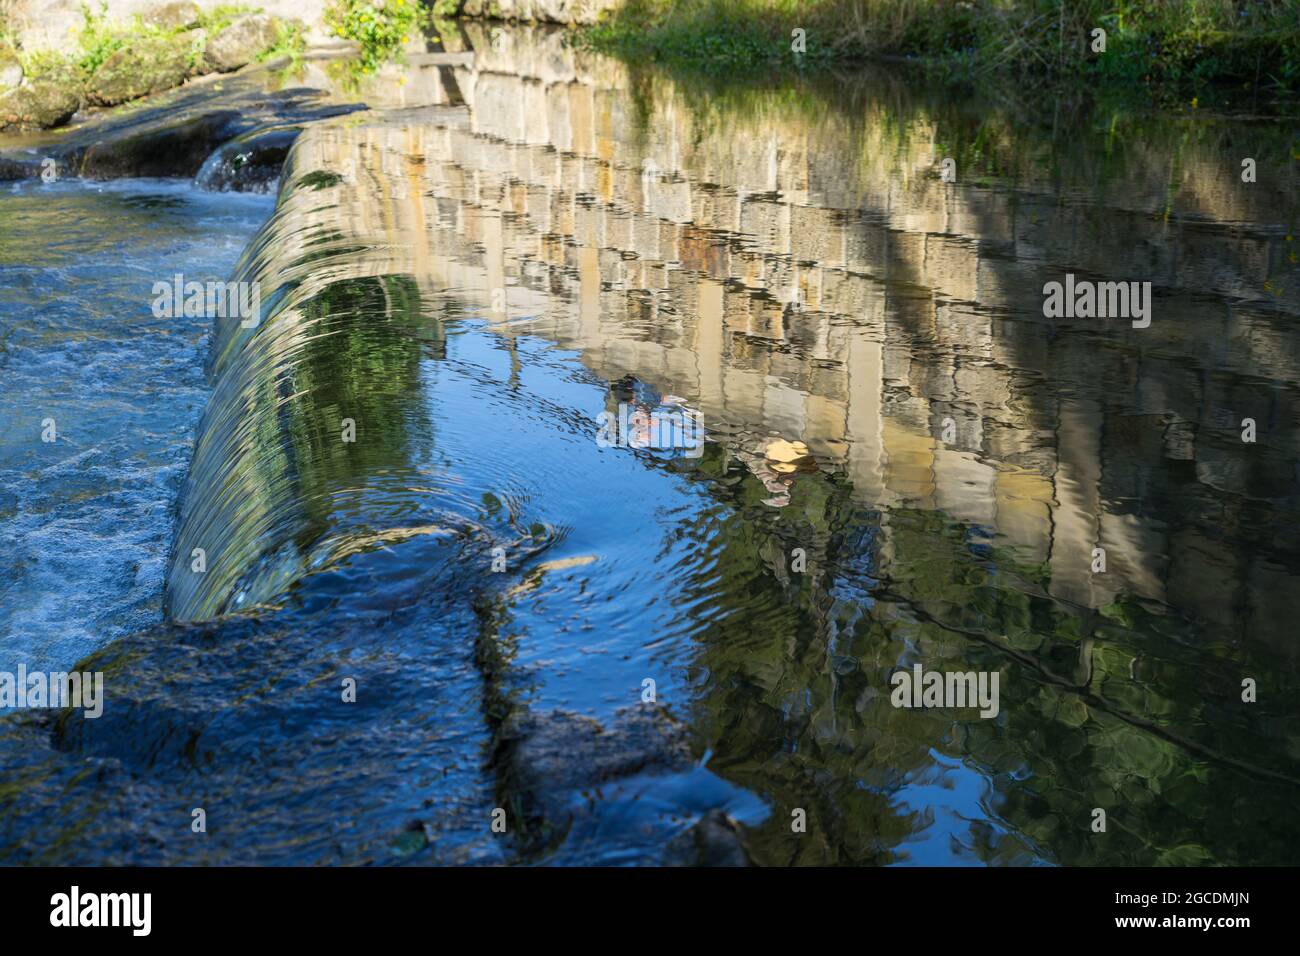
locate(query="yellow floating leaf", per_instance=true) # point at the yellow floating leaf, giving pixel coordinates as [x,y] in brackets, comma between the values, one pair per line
[787,451]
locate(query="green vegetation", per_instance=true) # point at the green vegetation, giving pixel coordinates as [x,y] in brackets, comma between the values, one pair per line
[1176,43]
[100,39]
[380,26]
[290,42]
[116,62]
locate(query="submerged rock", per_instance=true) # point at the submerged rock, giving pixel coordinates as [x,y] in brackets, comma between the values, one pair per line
[240,43]
[551,757]
[586,784]
[249,724]
[559,752]
[713,841]
[168,150]
[144,66]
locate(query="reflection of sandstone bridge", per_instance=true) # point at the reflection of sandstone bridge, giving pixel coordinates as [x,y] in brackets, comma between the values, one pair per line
[811,277]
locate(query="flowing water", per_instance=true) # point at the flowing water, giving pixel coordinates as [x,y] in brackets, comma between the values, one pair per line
[85,516]
[397,485]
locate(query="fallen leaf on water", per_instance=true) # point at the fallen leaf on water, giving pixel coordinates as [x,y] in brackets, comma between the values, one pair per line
[787,451]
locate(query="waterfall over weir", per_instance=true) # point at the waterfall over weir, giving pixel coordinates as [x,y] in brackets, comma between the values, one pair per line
[315,443]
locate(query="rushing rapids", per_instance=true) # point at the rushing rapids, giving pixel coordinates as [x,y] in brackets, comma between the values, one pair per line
[409,586]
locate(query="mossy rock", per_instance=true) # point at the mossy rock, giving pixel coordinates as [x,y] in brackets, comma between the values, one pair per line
[241,42]
[174,148]
[39,105]
[13,169]
[138,69]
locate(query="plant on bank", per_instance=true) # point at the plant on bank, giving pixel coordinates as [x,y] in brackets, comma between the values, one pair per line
[379,26]
[99,39]
[290,42]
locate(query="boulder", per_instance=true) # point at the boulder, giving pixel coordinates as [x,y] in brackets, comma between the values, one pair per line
[143,67]
[176,15]
[12,169]
[39,105]
[239,43]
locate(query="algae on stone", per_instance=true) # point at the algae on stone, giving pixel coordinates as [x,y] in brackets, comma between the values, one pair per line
[141,67]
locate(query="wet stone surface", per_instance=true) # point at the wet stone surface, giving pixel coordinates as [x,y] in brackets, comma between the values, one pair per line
[172,134]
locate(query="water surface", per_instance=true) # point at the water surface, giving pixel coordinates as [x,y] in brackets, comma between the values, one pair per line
[86,519]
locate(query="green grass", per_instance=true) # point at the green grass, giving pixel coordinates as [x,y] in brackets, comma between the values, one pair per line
[1178,44]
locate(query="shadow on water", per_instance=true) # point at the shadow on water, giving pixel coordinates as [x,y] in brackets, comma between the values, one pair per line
[472,293]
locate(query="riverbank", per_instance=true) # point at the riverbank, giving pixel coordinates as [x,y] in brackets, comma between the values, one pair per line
[56,63]
[106,63]
[1170,48]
